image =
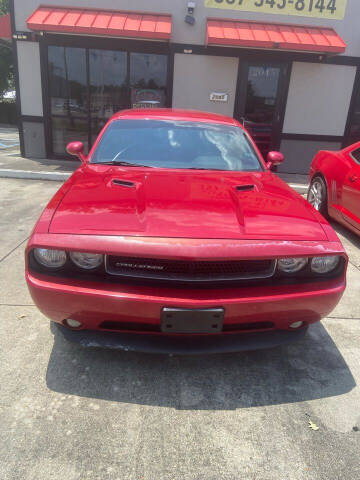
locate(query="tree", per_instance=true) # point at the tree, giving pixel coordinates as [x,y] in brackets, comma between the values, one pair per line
[6,70]
[4,7]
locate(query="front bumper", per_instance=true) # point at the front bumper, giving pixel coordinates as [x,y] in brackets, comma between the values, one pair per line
[139,307]
[182,344]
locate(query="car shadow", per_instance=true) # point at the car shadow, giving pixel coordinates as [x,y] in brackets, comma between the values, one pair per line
[349,235]
[310,369]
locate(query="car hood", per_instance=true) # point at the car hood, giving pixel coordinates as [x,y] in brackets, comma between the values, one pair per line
[185,204]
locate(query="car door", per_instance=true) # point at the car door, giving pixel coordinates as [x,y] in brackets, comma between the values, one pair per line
[351,188]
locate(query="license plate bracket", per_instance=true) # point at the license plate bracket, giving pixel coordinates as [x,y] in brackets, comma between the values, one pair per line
[181,320]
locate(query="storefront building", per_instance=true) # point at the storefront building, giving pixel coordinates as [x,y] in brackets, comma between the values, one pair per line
[288,69]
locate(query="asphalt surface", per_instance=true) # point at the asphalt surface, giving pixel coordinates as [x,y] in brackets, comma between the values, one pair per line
[72,413]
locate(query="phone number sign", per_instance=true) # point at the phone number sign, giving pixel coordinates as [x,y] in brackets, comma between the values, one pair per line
[334,9]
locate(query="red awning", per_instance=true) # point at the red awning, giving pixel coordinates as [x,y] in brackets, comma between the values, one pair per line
[101,22]
[5,27]
[273,35]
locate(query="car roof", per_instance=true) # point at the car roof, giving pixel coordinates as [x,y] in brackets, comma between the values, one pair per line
[174,114]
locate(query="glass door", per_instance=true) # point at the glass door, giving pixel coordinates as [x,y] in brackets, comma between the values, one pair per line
[260,103]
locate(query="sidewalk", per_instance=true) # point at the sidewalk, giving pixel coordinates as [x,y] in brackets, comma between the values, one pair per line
[14,166]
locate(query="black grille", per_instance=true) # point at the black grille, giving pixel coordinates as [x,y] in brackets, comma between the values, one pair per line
[147,327]
[239,327]
[130,326]
[189,271]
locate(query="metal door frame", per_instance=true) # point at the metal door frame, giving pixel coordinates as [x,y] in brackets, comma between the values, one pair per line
[281,97]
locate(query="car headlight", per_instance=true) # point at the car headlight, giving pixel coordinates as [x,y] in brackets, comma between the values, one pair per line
[87,261]
[292,265]
[324,264]
[50,258]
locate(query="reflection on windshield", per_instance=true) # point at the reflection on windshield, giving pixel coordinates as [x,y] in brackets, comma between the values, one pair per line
[175,144]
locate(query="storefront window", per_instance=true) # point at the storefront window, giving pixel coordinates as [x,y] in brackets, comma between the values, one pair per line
[66,130]
[68,96]
[82,100]
[108,86]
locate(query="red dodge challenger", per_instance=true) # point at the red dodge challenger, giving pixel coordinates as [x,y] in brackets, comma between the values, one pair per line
[174,236]
[335,185]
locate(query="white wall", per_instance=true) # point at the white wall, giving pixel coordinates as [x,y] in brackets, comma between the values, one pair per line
[30,78]
[183,33]
[196,76]
[319,99]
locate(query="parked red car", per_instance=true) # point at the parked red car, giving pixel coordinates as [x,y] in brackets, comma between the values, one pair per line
[175,236]
[335,185]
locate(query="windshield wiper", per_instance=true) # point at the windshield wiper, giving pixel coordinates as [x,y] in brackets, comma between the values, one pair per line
[126,164]
[209,169]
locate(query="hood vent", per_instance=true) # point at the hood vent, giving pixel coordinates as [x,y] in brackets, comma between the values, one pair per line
[245,188]
[123,183]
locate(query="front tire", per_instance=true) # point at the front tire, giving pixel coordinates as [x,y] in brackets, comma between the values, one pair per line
[317,195]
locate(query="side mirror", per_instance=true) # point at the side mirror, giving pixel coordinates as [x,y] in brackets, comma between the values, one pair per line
[274,159]
[77,149]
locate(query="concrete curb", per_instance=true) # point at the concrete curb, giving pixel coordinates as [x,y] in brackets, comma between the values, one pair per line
[31,175]
[299,188]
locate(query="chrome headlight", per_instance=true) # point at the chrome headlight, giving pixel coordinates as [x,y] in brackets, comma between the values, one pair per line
[323,265]
[50,258]
[87,261]
[291,265]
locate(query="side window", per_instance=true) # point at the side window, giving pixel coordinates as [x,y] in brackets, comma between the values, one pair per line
[356,155]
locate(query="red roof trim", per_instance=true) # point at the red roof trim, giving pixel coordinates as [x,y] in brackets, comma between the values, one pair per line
[5,26]
[273,35]
[101,22]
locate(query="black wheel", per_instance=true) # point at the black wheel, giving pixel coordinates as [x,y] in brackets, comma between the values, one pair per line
[317,195]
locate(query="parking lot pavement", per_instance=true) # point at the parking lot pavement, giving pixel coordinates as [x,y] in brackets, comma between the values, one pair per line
[13,165]
[9,139]
[72,413]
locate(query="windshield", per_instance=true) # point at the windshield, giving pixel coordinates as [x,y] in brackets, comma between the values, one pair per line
[176,144]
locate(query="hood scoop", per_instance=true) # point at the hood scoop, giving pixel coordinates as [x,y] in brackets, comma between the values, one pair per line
[123,183]
[245,188]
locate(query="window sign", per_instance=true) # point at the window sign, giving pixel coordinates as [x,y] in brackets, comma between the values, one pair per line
[147,98]
[334,9]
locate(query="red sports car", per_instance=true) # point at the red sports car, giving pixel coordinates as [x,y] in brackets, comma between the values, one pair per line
[335,185]
[174,236]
